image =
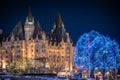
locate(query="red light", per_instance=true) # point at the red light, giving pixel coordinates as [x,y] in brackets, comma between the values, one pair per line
[85,71]
[75,70]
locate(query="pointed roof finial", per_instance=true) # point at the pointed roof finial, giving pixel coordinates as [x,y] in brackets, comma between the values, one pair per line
[29,15]
[12,37]
[38,26]
[37,37]
[68,37]
[29,12]
[58,20]
[37,30]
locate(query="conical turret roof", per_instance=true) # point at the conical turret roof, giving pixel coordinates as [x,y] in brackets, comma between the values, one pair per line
[37,30]
[58,20]
[30,15]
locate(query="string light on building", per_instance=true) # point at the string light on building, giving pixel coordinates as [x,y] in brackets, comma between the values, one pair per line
[40,49]
[97,51]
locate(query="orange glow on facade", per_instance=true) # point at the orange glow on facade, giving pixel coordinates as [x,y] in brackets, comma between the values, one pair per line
[42,50]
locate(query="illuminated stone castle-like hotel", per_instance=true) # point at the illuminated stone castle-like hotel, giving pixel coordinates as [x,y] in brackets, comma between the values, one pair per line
[47,51]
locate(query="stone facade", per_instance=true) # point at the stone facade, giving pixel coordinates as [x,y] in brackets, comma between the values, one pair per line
[48,51]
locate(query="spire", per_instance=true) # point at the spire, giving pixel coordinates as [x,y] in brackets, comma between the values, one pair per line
[62,41]
[43,36]
[12,37]
[58,26]
[68,37]
[38,27]
[58,20]
[37,37]
[30,15]
[37,30]
[29,12]
[17,38]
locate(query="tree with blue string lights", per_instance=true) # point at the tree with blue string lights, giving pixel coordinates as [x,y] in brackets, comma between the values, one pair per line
[94,50]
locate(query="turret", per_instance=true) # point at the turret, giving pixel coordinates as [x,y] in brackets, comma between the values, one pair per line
[36,37]
[37,30]
[12,37]
[43,36]
[58,24]
[67,37]
[58,21]
[29,26]
[58,28]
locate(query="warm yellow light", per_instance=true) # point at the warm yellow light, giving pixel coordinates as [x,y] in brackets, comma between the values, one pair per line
[107,73]
[85,76]
[4,64]
[47,65]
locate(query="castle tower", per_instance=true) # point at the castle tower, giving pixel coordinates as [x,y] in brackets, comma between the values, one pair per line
[29,26]
[58,28]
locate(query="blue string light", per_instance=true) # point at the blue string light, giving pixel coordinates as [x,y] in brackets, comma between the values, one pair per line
[104,52]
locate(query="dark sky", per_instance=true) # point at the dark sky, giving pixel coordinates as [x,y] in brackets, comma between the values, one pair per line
[78,16]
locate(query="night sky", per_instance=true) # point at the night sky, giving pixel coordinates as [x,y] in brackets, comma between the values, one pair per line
[79,16]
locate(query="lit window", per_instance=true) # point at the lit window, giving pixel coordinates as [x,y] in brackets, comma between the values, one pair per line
[30,32]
